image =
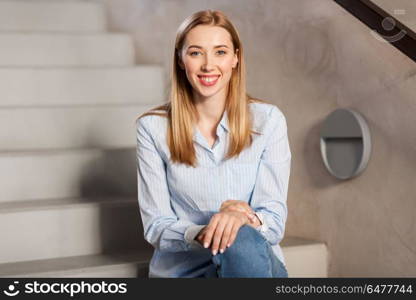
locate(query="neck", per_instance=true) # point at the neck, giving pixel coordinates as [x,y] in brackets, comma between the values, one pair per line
[210,109]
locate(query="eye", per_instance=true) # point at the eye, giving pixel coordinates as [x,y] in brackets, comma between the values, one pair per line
[223,52]
[192,53]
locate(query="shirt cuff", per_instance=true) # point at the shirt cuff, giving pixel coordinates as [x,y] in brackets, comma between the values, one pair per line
[263,227]
[190,233]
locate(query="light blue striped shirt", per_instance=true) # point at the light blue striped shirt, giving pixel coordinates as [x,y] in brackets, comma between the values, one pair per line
[177,200]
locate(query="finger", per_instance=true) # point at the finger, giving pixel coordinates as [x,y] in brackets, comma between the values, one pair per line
[200,237]
[227,202]
[247,208]
[210,229]
[252,217]
[202,231]
[225,205]
[226,236]
[235,208]
[218,234]
[250,214]
[233,234]
[240,207]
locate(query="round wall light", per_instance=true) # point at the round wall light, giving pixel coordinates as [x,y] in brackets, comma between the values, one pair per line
[345,143]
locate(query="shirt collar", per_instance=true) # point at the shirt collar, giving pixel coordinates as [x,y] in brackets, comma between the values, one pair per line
[223,123]
[224,120]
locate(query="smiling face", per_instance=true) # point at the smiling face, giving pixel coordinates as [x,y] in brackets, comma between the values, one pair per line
[208,59]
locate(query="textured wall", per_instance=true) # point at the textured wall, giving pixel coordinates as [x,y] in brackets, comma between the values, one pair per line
[311,57]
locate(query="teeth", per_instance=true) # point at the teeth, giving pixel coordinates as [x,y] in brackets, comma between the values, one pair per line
[209,79]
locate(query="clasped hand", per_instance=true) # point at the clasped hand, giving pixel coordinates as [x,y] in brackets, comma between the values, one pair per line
[223,227]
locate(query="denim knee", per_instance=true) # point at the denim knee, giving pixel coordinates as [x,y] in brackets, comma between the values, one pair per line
[248,240]
[248,256]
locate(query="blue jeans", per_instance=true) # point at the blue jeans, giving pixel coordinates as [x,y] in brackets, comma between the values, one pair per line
[249,256]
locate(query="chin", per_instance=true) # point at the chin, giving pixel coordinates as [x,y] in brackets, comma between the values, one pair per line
[207,94]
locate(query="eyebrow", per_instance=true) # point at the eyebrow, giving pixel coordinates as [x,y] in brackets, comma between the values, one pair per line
[199,47]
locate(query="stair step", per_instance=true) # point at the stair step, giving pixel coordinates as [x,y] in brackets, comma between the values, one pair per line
[50,16]
[81,86]
[68,173]
[69,127]
[66,50]
[56,228]
[298,253]
[305,258]
[127,265]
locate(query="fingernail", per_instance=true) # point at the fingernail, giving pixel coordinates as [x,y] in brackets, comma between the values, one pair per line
[228,245]
[222,250]
[214,252]
[205,245]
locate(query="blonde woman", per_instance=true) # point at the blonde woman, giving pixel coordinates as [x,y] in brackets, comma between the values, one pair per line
[213,164]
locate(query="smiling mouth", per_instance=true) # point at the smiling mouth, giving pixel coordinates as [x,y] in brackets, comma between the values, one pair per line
[208,80]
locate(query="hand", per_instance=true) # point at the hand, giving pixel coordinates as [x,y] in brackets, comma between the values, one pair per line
[222,230]
[241,206]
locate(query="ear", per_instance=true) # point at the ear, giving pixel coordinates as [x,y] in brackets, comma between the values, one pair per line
[235,60]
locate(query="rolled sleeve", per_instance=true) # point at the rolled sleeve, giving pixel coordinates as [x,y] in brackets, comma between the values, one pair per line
[263,226]
[190,235]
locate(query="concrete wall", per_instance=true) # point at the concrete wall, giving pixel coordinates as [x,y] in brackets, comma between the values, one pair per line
[311,57]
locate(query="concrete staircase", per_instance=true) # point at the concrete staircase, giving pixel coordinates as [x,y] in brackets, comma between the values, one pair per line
[69,95]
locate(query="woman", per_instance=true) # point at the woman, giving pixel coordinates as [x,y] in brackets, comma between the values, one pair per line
[213,164]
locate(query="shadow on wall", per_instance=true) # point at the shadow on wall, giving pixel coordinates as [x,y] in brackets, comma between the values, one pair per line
[113,175]
[318,174]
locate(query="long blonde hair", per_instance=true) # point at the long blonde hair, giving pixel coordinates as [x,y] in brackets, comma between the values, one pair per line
[180,109]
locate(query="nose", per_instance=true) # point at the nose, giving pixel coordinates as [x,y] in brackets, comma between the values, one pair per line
[208,64]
